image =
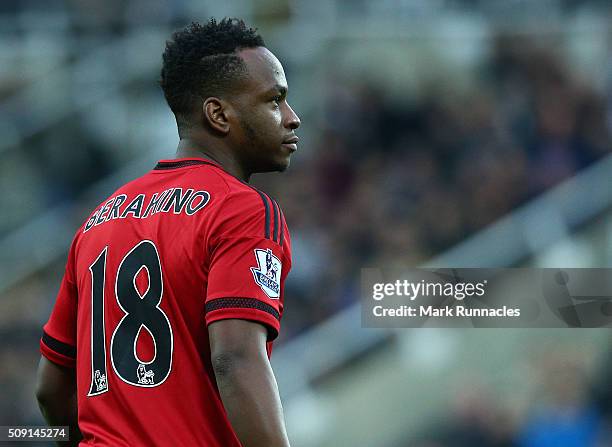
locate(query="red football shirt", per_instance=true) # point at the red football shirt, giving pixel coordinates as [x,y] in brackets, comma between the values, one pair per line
[167,254]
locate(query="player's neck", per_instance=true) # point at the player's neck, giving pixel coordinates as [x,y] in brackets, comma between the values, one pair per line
[188,148]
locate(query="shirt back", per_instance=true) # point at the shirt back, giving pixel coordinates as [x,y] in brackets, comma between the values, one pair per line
[167,254]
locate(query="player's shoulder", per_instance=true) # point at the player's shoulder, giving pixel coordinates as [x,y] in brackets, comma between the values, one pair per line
[244,195]
[253,210]
[241,193]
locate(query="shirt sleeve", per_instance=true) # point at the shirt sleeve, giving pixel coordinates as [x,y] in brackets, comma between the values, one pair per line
[58,342]
[249,262]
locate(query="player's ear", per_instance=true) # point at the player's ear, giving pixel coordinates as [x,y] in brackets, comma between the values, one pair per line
[216,114]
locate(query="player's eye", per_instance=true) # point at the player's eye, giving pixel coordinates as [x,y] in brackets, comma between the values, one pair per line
[276,100]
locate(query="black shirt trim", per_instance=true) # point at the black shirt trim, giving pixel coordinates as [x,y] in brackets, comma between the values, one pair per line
[58,346]
[163,165]
[267,217]
[276,219]
[241,303]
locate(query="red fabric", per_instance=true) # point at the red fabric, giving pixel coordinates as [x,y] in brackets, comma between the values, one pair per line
[213,266]
[62,325]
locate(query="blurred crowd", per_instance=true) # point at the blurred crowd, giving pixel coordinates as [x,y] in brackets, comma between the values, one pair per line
[384,183]
[396,184]
[567,407]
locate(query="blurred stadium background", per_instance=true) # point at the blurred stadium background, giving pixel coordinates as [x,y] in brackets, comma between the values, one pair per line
[457,133]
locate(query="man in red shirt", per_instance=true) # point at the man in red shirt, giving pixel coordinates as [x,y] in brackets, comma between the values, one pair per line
[173,290]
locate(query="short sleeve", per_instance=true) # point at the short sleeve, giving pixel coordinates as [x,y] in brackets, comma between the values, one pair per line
[249,261]
[58,342]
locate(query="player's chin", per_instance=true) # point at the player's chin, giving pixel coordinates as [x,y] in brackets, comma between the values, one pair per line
[282,160]
[286,151]
[278,164]
[278,160]
[281,165]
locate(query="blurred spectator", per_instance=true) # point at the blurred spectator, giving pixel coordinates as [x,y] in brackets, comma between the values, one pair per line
[475,419]
[563,415]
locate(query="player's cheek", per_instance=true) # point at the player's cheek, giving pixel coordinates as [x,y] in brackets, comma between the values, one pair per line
[277,116]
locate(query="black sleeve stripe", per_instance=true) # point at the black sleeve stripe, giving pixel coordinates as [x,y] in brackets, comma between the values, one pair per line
[241,303]
[267,208]
[276,219]
[58,346]
[282,227]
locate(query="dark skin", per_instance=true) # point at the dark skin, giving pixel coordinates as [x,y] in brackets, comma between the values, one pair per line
[57,398]
[249,130]
[246,383]
[244,130]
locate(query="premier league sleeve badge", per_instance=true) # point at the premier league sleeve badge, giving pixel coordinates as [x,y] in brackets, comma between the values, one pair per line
[267,274]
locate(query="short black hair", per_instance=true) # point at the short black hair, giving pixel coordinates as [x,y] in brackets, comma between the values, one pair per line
[200,61]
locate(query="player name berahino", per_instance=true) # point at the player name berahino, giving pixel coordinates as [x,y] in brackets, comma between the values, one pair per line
[173,200]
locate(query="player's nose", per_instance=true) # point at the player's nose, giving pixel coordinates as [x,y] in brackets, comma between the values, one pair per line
[292,121]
